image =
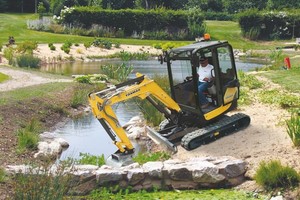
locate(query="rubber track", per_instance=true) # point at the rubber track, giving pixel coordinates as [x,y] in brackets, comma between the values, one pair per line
[225,126]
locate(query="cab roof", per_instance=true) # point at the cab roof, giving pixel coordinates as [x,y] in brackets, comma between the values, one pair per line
[196,46]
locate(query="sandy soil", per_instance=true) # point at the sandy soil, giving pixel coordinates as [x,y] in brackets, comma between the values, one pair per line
[265,139]
[81,53]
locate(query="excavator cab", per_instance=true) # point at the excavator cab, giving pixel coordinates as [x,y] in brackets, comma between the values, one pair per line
[183,64]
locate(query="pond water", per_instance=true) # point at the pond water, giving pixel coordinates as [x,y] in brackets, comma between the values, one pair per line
[86,135]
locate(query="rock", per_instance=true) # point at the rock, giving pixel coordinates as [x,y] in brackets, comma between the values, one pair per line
[197,173]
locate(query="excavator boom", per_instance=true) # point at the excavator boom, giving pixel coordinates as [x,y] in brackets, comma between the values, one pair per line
[141,87]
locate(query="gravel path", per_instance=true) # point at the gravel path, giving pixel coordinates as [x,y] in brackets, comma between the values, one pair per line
[19,78]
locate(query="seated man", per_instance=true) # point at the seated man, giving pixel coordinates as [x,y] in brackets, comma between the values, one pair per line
[206,74]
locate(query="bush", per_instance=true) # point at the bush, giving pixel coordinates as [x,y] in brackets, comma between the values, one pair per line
[27,47]
[273,175]
[28,60]
[248,80]
[293,127]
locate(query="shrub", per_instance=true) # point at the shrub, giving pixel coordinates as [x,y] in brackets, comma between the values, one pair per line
[27,47]
[28,60]
[9,54]
[293,128]
[87,45]
[273,175]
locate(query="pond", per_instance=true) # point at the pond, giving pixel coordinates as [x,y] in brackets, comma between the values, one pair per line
[86,135]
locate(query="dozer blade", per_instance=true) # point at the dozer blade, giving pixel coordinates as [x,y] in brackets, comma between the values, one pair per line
[158,139]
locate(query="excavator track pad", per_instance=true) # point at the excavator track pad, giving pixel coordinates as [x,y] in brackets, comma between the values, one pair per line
[223,127]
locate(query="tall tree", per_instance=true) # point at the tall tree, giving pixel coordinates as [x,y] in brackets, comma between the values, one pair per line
[3,5]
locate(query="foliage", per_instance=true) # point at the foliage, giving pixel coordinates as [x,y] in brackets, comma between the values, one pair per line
[142,158]
[102,43]
[248,80]
[9,54]
[42,181]
[28,136]
[276,58]
[52,47]
[66,47]
[79,96]
[126,56]
[3,175]
[27,47]
[89,79]
[168,195]
[244,98]
[28,60]
[150,113]
[3,77]
[274,175]
[270,25]
[117,72]
[88,159]
[128,20]
[293,127]
[196,26]
[280,98]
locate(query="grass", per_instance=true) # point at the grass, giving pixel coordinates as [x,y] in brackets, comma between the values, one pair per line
[15,25]
[289,79]
[28,136]
[230,31]
[3,77]
[273,175]
[180,195]
[36,91]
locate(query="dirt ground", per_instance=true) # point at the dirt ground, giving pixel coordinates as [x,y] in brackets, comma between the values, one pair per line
[265,139]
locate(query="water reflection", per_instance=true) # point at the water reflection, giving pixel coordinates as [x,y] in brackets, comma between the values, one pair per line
[148,67]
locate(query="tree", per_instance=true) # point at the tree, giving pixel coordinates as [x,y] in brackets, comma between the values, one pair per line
[3,5]
[278,4]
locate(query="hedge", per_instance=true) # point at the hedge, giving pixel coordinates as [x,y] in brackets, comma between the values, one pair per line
[270,25]
[129,20]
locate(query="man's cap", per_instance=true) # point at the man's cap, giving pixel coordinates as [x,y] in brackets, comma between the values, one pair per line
[203,58]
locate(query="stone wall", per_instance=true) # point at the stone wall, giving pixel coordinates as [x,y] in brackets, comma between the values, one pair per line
[195,173]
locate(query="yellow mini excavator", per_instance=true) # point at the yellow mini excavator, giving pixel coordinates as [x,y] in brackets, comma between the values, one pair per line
[186,122]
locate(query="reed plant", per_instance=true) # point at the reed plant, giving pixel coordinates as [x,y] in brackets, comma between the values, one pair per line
[293,127]
[43,181]
[117,72]
[28,136]
[273,175]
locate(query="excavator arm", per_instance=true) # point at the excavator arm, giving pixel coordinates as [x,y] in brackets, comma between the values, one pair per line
[141,87]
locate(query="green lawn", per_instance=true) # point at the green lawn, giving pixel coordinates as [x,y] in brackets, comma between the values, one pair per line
[289,79]
[230,31]
[15,25]
[3,77]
